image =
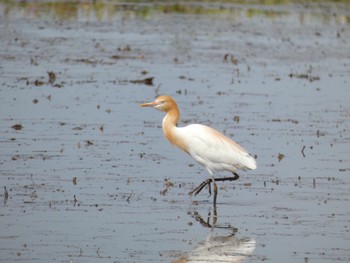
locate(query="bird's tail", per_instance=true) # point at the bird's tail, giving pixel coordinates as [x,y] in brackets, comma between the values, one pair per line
[249,162]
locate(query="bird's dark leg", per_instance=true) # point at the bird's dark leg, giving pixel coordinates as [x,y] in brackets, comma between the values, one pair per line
[209,188]
[215,213]
[215,192]
[199,188]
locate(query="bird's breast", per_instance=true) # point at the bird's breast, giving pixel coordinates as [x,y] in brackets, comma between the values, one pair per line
[176,137]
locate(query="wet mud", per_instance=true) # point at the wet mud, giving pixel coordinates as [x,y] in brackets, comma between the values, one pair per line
[86,175]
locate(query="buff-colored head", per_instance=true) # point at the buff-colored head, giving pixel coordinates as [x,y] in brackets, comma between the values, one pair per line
[162,103]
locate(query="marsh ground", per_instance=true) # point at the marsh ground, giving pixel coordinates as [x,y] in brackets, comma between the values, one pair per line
[90,177]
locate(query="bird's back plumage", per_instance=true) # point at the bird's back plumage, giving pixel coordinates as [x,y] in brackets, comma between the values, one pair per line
[214,150]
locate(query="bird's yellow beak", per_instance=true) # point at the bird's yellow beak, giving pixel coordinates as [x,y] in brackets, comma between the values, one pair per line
[149,104]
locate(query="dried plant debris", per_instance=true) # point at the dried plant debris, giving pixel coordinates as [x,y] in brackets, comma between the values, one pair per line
[52,77]
[117,57]
[186,78]
[286,120]
[86,61]
[280,157]
[74,180]
[302,151]
[125,48]
[89,142]
[6,195]
[230,58]
[168,185]
[51,81]
[307,76]
[17,127]
[38,83]
[146,81]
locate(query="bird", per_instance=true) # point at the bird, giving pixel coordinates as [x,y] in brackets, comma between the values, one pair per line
[207,146]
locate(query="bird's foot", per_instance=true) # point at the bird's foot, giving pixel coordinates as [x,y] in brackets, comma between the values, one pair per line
[199,188]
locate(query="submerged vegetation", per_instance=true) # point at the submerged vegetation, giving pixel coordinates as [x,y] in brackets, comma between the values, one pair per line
[107,10]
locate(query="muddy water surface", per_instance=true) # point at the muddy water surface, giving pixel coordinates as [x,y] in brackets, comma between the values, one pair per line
[86,174]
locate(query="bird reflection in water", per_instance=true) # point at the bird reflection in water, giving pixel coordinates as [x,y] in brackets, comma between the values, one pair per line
[215,248]
[220,249]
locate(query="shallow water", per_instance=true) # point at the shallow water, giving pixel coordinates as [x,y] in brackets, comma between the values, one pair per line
[90,177]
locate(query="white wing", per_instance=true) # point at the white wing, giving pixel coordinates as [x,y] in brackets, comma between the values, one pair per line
[213,150]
